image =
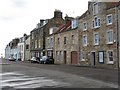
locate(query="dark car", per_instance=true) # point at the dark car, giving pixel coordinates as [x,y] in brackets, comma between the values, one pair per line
[50,60]
[46,60]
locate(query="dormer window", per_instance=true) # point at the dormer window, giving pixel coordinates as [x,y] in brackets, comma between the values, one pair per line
[50,30]
[95,8]
[74,24]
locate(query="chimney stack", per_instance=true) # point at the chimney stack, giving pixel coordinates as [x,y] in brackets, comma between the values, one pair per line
[57,14]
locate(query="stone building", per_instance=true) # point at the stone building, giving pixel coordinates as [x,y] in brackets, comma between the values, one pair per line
[66,42]
[39,34]
[98,35]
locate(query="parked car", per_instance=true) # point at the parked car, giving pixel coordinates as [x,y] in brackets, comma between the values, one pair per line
[11,59]
[46,60]
[35,60]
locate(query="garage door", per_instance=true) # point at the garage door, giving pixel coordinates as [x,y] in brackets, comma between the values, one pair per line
[74,57]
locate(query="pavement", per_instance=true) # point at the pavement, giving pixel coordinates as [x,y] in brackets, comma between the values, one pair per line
[93,77]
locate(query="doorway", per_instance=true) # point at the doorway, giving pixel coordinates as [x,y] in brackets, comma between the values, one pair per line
[64,57]
[93,58]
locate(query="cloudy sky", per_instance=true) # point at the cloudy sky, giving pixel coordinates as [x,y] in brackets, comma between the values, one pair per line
[21,16]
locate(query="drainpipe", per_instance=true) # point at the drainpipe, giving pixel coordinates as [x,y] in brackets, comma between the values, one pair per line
[118,32]
[117,35]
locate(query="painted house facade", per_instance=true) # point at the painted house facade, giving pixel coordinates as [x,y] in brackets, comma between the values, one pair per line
[27,48]
[22,48]
[98,35]
[7,51]
[14,49]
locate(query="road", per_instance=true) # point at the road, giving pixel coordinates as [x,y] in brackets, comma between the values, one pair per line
[21,75]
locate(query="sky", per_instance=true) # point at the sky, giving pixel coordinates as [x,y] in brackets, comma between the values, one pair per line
[21,16]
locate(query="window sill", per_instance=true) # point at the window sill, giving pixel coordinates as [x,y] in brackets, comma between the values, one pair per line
[96,27]
[85,45]
[110,63]
[84,29]
[109,24]
[83,60]
[96,44]
[110,43]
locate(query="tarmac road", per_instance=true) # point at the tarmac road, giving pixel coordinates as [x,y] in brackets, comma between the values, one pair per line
[20,75]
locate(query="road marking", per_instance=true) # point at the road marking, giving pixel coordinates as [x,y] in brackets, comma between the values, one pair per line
[18,80]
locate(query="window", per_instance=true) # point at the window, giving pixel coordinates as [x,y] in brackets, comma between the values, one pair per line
[60,55]
[57,55]
[35,43]
[96,22]
[58,41]
[84,26]
[48,42]
[74,23]
[95,8]
[50,30]
[51,42]
[101,56]
[39,43]
[32,35]
[96,39]
[27,47]
[64,40]
[109,19]
[72,39]
[110,57]
[83,56]
[109,37]
[84,40]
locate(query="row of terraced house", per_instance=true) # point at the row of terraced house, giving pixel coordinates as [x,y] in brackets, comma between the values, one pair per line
[91,39]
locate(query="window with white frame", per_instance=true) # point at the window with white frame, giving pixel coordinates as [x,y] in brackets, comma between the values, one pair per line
[110,57]
[83,56]
[109,37]
[96,22]
[84,40]
[95,8]
[101,57]
[109,19]
[84,26]
[96,38]
[74,23]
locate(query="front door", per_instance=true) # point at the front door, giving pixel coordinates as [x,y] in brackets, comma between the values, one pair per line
[93,58]
[74,57]
[64,57]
